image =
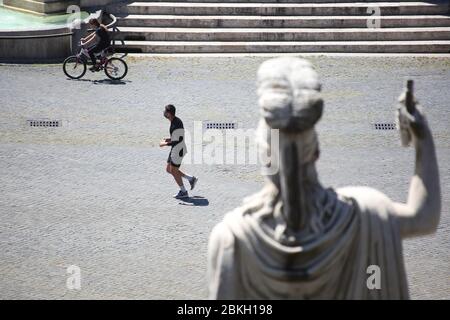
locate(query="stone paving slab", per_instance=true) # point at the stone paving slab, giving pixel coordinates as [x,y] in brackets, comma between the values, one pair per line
[94,193]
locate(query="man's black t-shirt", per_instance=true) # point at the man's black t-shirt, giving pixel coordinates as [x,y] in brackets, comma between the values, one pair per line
[176,124]
[102,33]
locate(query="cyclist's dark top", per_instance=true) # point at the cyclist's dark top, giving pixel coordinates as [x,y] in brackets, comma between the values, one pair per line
[102,33]
[174,125]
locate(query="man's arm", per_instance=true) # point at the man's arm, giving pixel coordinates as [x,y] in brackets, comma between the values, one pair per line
[177,135]
[421,214]
[165,142]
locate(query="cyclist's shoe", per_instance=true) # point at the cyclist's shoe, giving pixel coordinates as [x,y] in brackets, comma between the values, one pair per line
[95,68]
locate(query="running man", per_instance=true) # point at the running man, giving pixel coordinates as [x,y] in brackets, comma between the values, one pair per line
[177,151]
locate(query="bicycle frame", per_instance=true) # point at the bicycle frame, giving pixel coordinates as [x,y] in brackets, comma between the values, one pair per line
[84,53]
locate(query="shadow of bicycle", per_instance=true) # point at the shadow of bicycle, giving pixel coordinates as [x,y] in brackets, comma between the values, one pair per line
[196,201]
[104,81]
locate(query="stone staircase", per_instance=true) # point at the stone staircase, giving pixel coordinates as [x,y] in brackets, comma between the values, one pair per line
[284,26]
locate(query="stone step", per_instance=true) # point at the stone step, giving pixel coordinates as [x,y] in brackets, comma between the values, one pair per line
[284,34]
[287,1]
[440,46]
[280,21]
[290,9]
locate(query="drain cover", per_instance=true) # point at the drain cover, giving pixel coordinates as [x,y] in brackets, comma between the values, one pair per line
[220,125]
[44,123]
[385,126]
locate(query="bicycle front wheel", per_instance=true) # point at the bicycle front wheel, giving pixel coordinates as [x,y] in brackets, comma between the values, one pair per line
[116,68]
[74,67]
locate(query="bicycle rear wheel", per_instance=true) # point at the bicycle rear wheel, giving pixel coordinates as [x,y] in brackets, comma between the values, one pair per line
[116,68]
[74,67]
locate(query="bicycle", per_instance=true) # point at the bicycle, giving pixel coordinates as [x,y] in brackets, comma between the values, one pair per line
[75,66]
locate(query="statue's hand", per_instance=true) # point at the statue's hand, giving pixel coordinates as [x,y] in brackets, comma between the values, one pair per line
[412,126]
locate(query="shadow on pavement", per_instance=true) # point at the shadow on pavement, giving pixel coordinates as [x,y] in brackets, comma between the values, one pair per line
[104,81]
[108,81]
[196,201]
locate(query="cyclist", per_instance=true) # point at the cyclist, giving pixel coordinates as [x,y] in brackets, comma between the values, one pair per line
[102,39]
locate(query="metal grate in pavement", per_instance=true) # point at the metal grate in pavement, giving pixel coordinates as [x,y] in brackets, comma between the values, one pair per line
[220,125]
[44,123]
[385,126]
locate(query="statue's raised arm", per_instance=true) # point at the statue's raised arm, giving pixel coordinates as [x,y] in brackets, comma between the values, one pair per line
[420,215]
[298,240]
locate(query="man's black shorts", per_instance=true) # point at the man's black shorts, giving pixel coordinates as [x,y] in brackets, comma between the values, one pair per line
[175,161]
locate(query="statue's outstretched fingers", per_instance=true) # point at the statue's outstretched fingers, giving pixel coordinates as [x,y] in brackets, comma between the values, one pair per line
[402,99]
[415,122]
[403,113]
[419,122]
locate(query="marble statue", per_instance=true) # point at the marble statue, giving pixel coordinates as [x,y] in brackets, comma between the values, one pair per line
[296,239]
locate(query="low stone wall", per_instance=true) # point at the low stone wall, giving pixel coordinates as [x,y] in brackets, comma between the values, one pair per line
[41,6]
[36,46]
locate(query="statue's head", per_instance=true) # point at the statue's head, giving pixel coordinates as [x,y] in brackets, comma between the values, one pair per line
[290,101]
[289,94]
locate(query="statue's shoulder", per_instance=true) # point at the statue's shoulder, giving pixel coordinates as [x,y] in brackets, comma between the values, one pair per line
[222,235]
[368,199]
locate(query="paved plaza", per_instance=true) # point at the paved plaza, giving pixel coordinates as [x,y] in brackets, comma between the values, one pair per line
[94,193]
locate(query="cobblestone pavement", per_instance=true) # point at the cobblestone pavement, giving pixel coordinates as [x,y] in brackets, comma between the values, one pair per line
[94,193]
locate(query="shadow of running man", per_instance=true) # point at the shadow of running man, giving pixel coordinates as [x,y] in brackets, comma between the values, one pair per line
[196,201]
[109,81]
